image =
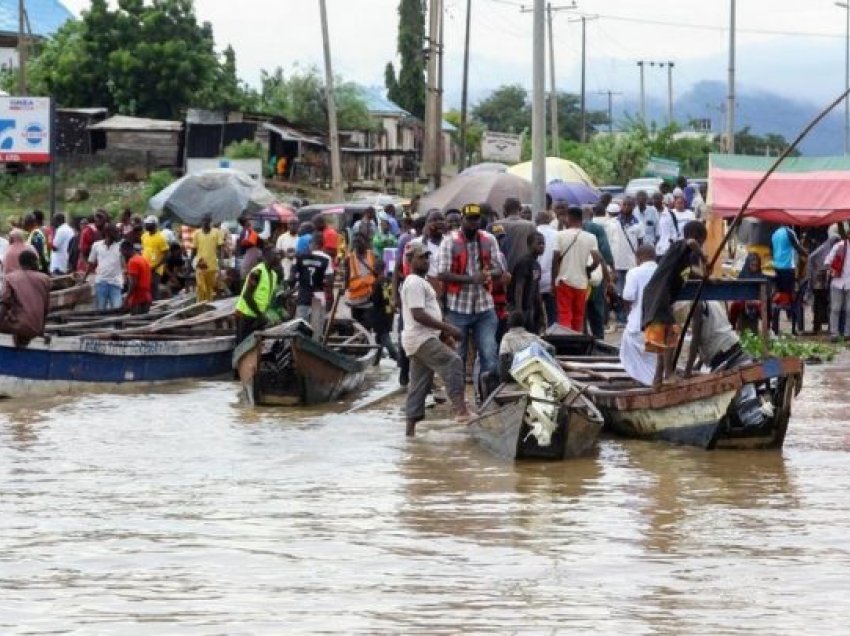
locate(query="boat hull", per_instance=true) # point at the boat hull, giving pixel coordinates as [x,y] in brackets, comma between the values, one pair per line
[303,371]
[503,432]
[702,412]
[71,364]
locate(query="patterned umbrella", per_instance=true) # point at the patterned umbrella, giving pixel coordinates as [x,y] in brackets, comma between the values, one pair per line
[275,212]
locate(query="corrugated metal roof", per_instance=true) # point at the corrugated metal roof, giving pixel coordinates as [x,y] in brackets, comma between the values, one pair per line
[377,104]
[290,134]
[45,16]
[122,122]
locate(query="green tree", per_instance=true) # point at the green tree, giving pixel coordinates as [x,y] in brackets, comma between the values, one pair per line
[151,59]
[569,117]
[408,89]
[505,110]
[474,131]
[300,98]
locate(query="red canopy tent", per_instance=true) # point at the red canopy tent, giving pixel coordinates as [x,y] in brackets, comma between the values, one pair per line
[808,191]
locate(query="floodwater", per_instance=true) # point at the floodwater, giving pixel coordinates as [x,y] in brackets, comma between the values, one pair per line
[182,512]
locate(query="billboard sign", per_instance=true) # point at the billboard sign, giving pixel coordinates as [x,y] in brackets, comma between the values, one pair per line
[503,147]
[660,167]
[25,129]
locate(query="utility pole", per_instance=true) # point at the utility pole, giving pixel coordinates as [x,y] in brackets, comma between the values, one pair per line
[610,95]
[22,48]
[642,95]
[584,20]
[433,107]
[553,95]
[730,100]
[670,92]
[333,133]
[463,148]
[538,115]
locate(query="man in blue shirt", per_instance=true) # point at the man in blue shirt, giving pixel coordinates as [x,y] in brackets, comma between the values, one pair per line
[785,247]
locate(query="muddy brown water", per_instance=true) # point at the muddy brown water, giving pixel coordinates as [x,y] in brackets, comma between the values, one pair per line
[182,512]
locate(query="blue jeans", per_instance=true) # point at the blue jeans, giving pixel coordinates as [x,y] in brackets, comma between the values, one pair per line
[107,296]
[484,326]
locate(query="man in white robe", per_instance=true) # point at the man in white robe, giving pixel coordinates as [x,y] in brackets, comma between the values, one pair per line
[637,362]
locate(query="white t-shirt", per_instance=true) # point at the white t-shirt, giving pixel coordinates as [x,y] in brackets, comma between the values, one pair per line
[550,235]
[417,293]
[284,243]
[61,243]
[627,238]
[574,246]
[636,281]
[109,265]
[667,232]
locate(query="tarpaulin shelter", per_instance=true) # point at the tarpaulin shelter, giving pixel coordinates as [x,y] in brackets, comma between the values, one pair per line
[807,191]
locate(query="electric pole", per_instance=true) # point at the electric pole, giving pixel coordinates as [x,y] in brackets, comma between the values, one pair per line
[730,100]
[669,92]
[463,148]
[22,47]
[333,132]
[553,95]
[584,19]
[642,95]
[433,106]
[538,115]
[610,95]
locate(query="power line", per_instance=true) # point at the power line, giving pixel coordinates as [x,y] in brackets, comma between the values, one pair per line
[700,27]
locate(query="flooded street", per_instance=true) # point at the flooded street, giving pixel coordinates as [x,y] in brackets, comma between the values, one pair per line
[183,512]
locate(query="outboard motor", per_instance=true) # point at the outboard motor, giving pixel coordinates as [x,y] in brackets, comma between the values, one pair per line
[547,385]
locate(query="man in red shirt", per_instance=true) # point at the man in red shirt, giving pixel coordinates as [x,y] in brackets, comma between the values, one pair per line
[330,238]
[88,235]
[139,297]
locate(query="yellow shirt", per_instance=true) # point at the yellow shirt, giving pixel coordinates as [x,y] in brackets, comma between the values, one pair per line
[154,249]
[206,245]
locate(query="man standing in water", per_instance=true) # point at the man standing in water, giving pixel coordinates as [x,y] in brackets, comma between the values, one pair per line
[423,328]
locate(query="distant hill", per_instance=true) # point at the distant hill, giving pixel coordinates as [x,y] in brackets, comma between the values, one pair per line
[763,111]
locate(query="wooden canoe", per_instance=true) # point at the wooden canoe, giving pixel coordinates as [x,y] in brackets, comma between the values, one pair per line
[286,366]
[501,428]
[699,411]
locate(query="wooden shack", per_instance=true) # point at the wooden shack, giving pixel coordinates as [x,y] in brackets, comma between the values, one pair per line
[152,143]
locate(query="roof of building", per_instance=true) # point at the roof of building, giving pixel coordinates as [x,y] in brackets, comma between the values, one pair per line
[45,16]
[122,122]
[377,104]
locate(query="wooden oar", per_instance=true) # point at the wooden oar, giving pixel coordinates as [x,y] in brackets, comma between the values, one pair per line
[740,216]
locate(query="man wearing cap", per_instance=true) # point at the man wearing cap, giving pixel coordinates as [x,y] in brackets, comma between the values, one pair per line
[154,251]
[469,259]
[206,247]
[421,340]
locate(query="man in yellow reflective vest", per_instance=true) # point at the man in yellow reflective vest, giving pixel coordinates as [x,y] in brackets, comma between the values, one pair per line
[257,295]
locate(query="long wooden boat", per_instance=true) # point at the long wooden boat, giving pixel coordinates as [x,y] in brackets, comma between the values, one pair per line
[705,410]
[286,366]
[502,426]
[69,297]
[103,358]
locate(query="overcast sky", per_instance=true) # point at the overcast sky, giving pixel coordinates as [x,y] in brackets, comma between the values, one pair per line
[795,47]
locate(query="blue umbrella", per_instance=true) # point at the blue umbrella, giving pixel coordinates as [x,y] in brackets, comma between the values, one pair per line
[572,192]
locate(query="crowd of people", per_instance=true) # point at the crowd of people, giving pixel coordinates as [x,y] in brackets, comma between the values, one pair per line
[451,284]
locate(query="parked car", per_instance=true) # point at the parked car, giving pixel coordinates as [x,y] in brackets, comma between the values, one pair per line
[614,190]
[650,185]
